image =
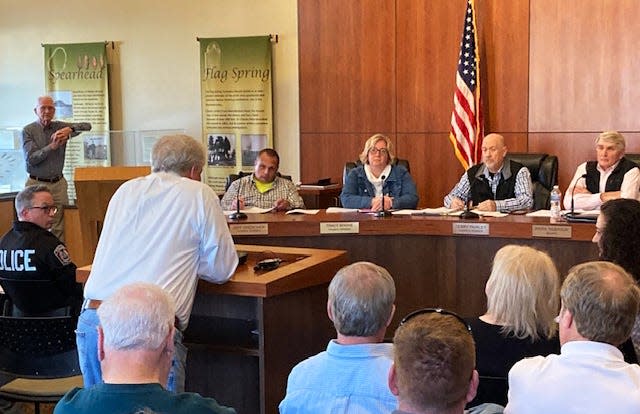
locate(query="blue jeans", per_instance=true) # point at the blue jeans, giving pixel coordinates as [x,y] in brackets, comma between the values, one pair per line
[87,341]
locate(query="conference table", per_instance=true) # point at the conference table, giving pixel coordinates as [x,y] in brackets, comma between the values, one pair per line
[439,261]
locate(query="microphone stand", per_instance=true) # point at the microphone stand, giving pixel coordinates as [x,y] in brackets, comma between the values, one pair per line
[573,191]
[383,212]
[467,214]
[238,215]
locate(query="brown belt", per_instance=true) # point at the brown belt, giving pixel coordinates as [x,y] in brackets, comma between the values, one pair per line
[47,180]
[95,304]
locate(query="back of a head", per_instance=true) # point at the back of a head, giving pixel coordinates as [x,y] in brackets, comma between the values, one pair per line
[603,299]
[522,292]
[138,316]
[434,358]
[621,236]
[361,297]
[177,154]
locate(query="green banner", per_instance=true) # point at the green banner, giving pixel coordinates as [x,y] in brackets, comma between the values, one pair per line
[237,105]
[76,77]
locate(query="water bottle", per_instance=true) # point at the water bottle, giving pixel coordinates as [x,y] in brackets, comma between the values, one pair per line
[556,211]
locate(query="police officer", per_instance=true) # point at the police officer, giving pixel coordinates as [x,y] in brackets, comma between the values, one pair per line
[29,251]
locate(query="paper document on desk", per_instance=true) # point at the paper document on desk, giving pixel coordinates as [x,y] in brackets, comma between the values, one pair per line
[250,210]
[341,210]
[302,211]
[440,211]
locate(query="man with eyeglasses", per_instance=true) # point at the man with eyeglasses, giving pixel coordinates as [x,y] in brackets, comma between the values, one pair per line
[600,301]
[29,251]
[493,185]
[44,143]
[351,375]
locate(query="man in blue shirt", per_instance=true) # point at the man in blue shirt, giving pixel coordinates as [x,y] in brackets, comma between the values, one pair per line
[351,375]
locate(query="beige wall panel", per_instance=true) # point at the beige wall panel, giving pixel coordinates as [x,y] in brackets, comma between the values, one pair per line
[347,65]
[584,65]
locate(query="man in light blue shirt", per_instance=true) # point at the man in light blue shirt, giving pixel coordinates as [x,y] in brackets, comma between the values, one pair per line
[350,377]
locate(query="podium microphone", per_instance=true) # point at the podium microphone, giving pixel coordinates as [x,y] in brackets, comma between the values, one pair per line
[467,214]
[573,190]
[238,215]
[383,212]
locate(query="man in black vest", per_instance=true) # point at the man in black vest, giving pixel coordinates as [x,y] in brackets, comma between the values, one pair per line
[494,185]
[611,176]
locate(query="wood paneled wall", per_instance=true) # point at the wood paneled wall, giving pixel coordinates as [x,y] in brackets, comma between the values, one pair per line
[552,77]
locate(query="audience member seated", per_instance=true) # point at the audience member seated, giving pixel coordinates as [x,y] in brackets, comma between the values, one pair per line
[29,251]
[493,185]
[351,375]
[611,176]
[377,181]
[600,301]
[618,237]
[433,369]
[135,348]
[522,303]
[263,188]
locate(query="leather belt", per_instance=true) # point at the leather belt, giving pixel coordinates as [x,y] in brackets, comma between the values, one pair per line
[95,304]
[46,180]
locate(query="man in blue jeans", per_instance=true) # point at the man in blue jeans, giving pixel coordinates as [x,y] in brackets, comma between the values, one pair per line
[166,228]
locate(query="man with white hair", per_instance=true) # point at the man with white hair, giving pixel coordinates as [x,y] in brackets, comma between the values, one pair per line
[135,348]
[165,228]
[611,176]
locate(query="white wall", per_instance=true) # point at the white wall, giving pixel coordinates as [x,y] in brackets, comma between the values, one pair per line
[158,62]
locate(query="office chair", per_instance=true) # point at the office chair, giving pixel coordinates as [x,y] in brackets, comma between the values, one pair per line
[544,175]
[232,177]
[40,353]
[38,298]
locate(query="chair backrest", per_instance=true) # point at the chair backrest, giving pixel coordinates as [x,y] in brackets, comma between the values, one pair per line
[633,157]
[351,165]
[35,297]
[232,177]
[544,175]
[38,347]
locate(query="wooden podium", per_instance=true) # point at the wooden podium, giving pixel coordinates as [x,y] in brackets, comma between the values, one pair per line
[244,336]
[94,188]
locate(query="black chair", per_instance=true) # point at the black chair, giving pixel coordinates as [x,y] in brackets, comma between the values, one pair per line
[351,165]
[41,354]
[45,298]
[633,157]
[544,175]
[232,177]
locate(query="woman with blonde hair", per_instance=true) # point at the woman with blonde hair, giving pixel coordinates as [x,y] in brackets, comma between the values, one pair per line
[523,299]
[378,184]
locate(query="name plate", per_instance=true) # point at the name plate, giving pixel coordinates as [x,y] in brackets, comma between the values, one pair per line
[252,229]
[551,231]
[340,227]
[474,229]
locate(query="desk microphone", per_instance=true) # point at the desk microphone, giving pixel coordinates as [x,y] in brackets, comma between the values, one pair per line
[238,215]
[383,212]
[467,214]
[573,190]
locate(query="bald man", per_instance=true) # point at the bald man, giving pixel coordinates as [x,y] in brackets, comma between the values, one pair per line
[493,185]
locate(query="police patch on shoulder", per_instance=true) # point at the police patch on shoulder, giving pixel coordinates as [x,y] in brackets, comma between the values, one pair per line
[62,254]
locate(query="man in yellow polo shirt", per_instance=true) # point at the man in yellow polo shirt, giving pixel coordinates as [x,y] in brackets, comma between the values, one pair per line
[263,188]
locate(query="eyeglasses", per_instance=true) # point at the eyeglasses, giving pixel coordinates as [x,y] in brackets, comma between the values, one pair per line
[435,310]
[381,151]
[47,209]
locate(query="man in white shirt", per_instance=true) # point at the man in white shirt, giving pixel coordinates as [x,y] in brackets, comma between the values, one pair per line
[166,228]
[611,176]
[600,301]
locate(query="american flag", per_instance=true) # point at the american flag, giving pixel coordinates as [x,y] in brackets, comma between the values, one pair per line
[466,119]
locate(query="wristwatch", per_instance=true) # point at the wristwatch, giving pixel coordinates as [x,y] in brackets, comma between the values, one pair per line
[73,128]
